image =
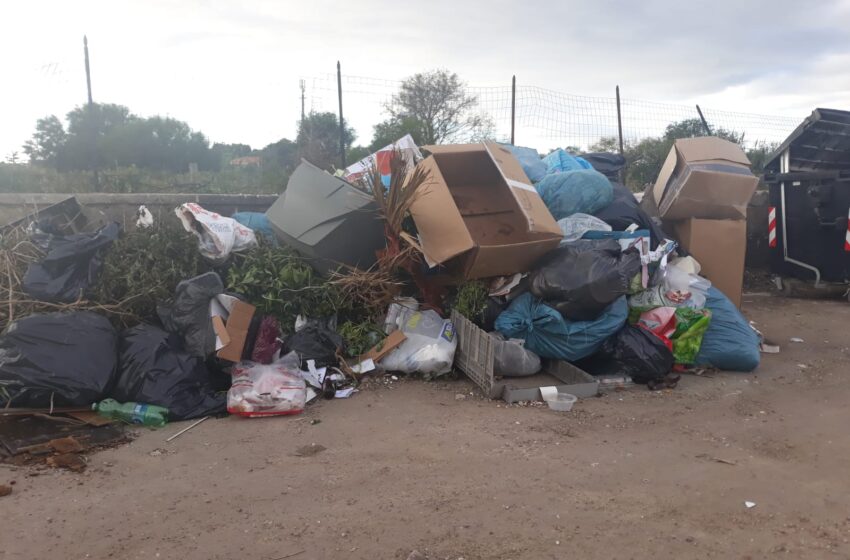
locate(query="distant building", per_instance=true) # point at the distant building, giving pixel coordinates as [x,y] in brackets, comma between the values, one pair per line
[246,161]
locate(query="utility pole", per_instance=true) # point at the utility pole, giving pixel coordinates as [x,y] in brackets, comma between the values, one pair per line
[303,88]
[91,115]
[341,120]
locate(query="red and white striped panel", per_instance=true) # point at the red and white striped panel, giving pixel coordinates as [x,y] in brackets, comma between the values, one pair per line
[847,234]
[771,227]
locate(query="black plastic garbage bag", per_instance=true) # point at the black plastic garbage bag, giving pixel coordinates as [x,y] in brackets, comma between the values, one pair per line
[71,266]
[315,342]
[624,211]
[607,163]
[58,359]
[580,279]
[189,314]
[154,369]
[633,351]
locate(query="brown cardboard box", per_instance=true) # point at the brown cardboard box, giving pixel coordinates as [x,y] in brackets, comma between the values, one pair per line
[479,214]
[720,246]
[231,319]
[706,178]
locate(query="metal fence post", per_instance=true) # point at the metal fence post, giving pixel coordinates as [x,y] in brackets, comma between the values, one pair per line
[513,108]
[704,122]
[620,134]
[341,120]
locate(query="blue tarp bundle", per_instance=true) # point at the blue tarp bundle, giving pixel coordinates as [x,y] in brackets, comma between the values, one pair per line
[584,191]
[549,335]
[729,343]
[530,161]
[258,222]
[561,160]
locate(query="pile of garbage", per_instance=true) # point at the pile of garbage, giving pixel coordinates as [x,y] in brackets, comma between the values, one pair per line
[549,259]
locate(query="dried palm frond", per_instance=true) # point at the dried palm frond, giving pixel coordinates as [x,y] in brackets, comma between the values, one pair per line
[405,187]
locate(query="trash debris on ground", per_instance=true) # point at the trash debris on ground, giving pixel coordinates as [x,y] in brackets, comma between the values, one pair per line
[559,284]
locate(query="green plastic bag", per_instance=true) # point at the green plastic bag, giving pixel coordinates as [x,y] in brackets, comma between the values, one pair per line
[691,325]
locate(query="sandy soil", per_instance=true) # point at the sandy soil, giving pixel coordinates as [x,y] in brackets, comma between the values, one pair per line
[412,466]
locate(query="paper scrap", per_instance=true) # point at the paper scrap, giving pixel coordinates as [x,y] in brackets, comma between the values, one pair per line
[311,394]
[750,504]
[344,393]
[365,366]
[549,393]
[314,376]
[795,339]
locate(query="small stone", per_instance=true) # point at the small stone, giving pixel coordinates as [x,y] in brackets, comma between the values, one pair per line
[5,490]
[460,397]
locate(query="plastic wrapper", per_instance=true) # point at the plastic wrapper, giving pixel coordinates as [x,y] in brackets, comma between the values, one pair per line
[154,369]
[316,342]
[57,359]
[549,335]
[683,326]
[512,359]
[584,191]
[581,279]
[72,265]
[218,236]
[267,343]
[267,389]
[729,343]
[673,287]
[633,352]
[429,348]
[575,226]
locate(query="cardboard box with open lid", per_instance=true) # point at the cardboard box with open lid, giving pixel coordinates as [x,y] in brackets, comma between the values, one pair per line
[478,213]
[704,178]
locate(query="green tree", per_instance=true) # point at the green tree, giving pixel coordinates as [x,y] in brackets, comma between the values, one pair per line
[437,103]
[46,143]
[390,130]
[318,139]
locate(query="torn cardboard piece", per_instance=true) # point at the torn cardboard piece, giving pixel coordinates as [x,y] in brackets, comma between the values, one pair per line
[706,178]
[231,319]
[479,215]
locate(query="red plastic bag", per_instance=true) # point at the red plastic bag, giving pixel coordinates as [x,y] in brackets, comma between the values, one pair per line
[267,343]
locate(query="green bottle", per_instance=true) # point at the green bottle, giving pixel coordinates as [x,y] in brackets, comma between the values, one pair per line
[133,413]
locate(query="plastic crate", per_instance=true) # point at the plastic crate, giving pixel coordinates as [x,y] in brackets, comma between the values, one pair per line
[475,357]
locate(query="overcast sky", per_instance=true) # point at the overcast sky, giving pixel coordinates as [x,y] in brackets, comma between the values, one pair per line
[231,69]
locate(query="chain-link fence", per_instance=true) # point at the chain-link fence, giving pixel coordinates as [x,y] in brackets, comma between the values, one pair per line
[545,118]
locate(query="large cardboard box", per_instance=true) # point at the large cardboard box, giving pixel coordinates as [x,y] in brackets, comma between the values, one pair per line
[720,246]
[706,178]
[478,213]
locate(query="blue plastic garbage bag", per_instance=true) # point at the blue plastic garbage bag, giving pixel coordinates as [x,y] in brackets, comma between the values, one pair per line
[585,191]
[561,160]
[530,161]
[549,335]
[729,343]
[258,222]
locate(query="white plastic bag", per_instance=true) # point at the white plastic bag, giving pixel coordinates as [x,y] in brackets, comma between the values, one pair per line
[217,236]
[429,348]
[575,226]
[267,390]
[144,218]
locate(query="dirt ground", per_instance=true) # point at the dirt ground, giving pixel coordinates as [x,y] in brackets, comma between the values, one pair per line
[414,466]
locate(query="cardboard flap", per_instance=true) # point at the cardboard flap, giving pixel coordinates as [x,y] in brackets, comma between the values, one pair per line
[711,148]
[441,227]
[314,198]
[538,217]
[452,148]
[665,175]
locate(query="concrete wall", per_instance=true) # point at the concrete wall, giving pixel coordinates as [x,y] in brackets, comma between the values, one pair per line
[100,208]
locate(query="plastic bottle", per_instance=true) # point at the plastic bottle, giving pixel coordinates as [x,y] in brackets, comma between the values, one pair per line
[133,413]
